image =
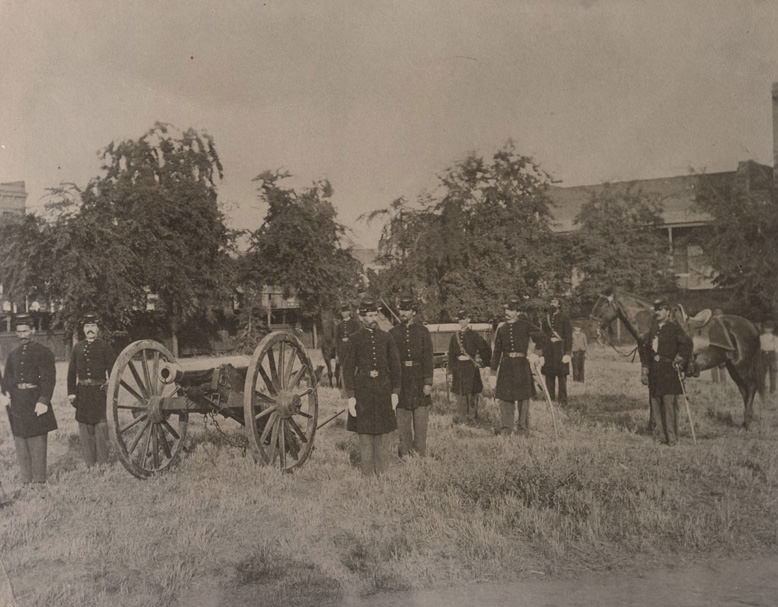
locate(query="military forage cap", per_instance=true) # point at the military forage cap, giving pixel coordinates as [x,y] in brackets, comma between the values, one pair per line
[462,314]
[513,303]
[89,317]
[22,319]
[367,305]
[406,302]
[345,307]
[661,303]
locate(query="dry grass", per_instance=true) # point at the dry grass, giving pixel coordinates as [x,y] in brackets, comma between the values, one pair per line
[602,495]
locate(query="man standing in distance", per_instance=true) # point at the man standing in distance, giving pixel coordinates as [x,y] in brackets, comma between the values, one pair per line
[467,353]
[347,326]
[90,367]
[511,364]
[666,351]
[371,376]
[29,380]
[414,344]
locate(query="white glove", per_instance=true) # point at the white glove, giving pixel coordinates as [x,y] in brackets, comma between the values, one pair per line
[492,381]
[565,359]
[40,408]
[352,407]
[72,399]
[533,358]
[395,400]
[427,389]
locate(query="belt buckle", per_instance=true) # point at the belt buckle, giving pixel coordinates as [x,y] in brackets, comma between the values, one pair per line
[657,358]
[344,339]
[408,363]
[373,373]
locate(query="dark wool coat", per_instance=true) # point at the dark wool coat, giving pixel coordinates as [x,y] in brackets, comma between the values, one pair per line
[658,355]
[343,332]
[465,376]
[557,341]
[371,373]
[31,364]
[514,379]
[414,345]
[90,364]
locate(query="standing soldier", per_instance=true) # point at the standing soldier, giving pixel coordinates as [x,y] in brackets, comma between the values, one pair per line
[347,326]
[468,352]
[557,347]
[667,351]
[511,364]
[768,343]
[89,369]
[414,345]
[580,343]
[371,376]
[29,380]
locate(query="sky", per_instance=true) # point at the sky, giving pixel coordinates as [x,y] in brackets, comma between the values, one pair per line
[381,97]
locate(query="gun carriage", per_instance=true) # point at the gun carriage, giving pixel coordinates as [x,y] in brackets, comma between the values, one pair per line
[150,397]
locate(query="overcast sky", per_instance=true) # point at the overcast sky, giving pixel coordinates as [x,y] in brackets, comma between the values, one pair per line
[380,97]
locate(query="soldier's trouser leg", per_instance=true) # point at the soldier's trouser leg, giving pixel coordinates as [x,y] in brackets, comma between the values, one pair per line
[101,441]
[366,457]
[420,419]
[523,416]
[405,430]
[551,386]
[670,406]
[379,453]
[31,456]
[86,436]
[506,416]
[462,407]
[562,389]
[658,418]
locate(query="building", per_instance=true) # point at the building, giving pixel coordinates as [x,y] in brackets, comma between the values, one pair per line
[681,221]
[13,198]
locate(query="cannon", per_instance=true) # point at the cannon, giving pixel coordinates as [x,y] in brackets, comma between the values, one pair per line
[150,397]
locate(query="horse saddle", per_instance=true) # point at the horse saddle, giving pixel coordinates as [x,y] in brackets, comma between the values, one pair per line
[705,321]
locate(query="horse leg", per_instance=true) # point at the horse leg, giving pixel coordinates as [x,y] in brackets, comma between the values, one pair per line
[746,391]
[326,356]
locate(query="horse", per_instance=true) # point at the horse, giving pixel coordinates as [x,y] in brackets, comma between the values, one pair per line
[328,345]
[732,341]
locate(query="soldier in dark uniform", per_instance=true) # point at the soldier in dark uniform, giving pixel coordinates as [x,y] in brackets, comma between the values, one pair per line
[667,350]
[29,380]
[557,347]
[511,362]
[414,345]
[88,372]
[468,352]
[371,375]
[347,326]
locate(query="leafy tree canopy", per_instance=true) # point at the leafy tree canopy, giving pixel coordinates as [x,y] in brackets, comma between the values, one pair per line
[300,245]
[618,244]
[482,236]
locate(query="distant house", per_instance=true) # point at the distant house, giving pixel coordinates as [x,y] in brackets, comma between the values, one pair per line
[13,198]
[681,221]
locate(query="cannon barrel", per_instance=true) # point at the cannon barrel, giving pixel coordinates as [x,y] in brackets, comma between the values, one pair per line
[170,372]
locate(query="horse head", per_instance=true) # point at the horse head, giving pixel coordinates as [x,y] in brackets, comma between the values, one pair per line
[604,312]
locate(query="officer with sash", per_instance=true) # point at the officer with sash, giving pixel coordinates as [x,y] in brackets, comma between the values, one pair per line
[371,376]
[415,348]
[663,356]
[511,358]
[90,367]
[29,381]
[468,352]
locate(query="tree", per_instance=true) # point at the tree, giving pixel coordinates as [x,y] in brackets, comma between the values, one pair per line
[159,194]
[483,235]
[300,246]
[741,241]
[619,244]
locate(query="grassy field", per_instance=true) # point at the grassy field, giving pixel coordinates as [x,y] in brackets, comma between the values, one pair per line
[218,529]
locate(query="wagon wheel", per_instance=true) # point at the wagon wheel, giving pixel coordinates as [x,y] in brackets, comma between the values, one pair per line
[147,436]
[280,402]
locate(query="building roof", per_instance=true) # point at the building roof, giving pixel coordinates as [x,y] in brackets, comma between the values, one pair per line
[677,195]
[13,197]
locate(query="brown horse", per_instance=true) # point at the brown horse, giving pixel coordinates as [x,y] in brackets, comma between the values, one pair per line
[732,341]
[328,345]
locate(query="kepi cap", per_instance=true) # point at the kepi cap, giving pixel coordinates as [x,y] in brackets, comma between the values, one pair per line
[367,305]
[513,303]
[406,302]
[660,303]
[90,317]
[462,313]
[22,319]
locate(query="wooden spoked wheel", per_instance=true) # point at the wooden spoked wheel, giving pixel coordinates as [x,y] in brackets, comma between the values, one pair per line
[147,433]
[281,405]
